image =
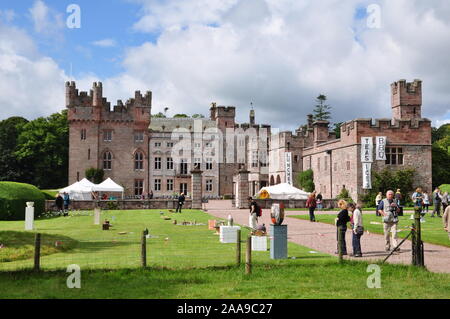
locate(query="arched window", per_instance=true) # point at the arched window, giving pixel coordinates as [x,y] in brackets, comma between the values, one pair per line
[138,161]
[278,179]
[107,160]
[272,180]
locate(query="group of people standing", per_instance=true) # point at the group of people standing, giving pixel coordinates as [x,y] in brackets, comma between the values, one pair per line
[357,227]
[388,208]
[439,199]
[62,203]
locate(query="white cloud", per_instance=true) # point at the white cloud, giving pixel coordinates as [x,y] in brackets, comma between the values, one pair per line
[46,20]
[7,15]
[105,43]
[282,54]
[278,54]
[31,85]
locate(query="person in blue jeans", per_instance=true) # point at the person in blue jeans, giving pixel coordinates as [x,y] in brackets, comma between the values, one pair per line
[66,198]
[311,204]
[357,229]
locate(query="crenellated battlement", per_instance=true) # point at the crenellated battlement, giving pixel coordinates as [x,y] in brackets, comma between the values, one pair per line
[221,111]
[406,99]
[386,123]
[94,106]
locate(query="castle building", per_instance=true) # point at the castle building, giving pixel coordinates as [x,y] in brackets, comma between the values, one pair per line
[143,153]
[337,162]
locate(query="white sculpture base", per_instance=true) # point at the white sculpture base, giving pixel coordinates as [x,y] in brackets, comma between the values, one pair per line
[228,234]
[29,218]
[259,243]
[97,216]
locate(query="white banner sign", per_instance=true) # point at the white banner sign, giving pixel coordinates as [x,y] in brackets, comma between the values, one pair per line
[367,178]
[288,167]
[366,150]
[380,148]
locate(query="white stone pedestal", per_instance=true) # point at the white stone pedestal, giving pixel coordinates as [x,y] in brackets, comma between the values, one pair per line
[228,234]
[29,216]
[97,216]
[259,243]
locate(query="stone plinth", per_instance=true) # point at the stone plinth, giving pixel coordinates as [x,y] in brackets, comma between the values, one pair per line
[278,241]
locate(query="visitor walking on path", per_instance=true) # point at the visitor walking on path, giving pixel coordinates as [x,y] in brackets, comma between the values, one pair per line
[181,199]
[437,200]
[446,220]
[426,202]
[399,200]
[388,208]
[59,202]
[311,204]
[319,203]
[444,201]
[357,228]
[66,198]
[378,199]
[417,198]
[341,223]
[253,217]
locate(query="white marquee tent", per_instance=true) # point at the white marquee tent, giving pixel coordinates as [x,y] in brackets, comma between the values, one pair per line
[282,191]
[79,190]
[108,185]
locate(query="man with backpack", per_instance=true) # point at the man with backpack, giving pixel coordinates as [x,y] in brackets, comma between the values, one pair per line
[389,209]
[255,212]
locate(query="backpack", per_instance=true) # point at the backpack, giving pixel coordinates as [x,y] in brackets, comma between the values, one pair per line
[258,210]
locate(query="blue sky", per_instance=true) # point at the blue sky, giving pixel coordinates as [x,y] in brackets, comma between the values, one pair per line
[278,54]
[101,19]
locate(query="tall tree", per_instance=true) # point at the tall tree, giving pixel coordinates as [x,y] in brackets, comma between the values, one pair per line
[337,129]
[10,168]
[180,115]
[43,149]
[321,110]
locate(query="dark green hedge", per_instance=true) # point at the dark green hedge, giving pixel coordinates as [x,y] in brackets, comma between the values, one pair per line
[13,198]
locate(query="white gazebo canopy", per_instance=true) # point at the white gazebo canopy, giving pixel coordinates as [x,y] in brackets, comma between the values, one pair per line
[79,190]
[282,191]
[108,185]
[85,182]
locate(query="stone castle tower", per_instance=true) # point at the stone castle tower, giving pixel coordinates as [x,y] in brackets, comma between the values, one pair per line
[115,140]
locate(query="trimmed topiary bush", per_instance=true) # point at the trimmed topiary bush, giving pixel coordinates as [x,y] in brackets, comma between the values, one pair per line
[49,194]
[13,198]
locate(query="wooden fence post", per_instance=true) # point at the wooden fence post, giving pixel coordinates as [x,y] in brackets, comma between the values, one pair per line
[248,256]
[340,239]
[144,250]
[238,248]
[37,252]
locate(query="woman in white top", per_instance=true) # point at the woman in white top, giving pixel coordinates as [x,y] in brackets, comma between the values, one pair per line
[357,229]
[378,199]
[444,201]
[426,201]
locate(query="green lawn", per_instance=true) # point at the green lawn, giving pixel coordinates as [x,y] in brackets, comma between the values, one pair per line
[190,262]
[170,245]
[299,279]
[432,229]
